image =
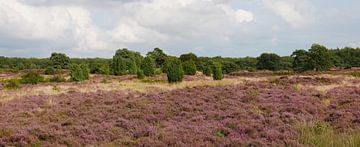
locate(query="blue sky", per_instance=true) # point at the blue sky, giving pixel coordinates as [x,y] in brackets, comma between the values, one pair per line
[229,28]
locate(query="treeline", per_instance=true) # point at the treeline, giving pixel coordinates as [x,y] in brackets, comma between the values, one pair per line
[317,58]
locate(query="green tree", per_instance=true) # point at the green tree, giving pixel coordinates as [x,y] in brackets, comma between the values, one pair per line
[148,66]
[320,57]
[140,74]
[188,56]
[79,72]
[159,56]
[119,65]
[125,61]
[269,61]
[50,70]
[174,70]
[217,71]
[207,70]
[60,60]
[301,61]
[189,67]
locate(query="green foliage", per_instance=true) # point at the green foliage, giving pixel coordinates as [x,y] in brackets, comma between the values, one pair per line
[159,57]
[125,61]
[207,70]
[356,74]
[140,74]
[12,84]
[320,58]
[57,79]
[301,61]
[32,78]
[269,61]
[189,67]
[174,70]
[322,135]
[148,66]
[100,68]
[60,60]
[217,71]
[50,71]
[188,56]
[79,72]
[229,67]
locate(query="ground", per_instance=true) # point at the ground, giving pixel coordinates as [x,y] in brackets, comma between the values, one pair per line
[241,110]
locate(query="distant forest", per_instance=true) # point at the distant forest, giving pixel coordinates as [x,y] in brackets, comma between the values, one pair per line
[317,58]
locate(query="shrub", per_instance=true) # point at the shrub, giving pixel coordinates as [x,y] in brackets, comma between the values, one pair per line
[356,74]
[207,70]
[32,78]
[174,70]
[189,67]
[60,60]
[50,71]
[140,74]
[269,61]
[148,66]
[57,79]
[79,72]
[12,84]
[217,71]
[101,69]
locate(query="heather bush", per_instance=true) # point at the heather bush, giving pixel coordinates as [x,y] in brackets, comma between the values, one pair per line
[79,72]
[217,71]
[140,74]
[174,70]
[50,71]
[32,78]
[12,84]
[189,67]
[148,66]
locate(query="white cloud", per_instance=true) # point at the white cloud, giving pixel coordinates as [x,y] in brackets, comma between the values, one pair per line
[297,13]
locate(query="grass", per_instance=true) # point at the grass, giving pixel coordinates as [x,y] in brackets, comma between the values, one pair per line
[320,134]
[356,74]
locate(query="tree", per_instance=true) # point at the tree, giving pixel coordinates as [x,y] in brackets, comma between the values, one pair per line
[320,57]
[60,60]
[189,67]
[229,67]
[301,61]
[140,74]
[188,56]
[159,56]
[217,71]
[174,70]
[268,61]
[118,65]
[125,61]
[207,70]
[79,72]
[148,66]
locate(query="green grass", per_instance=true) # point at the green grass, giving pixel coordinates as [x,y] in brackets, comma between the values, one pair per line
[320,134]
[356,74]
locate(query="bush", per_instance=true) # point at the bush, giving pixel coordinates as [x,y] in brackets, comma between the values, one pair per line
[101,69]
[79,72]
[189,67]
[32,78]
[356,74]
[12,84]
[57,79]
[269,61]
[217,71]
[50,71]
[207,70]
[140,74]
[148,66]
[174,70]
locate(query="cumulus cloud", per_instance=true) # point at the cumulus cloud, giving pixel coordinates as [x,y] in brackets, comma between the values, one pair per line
[297,13]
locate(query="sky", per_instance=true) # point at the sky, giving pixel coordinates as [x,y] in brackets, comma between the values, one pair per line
[228,28]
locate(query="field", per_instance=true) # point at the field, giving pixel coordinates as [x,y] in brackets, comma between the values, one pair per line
[241,110]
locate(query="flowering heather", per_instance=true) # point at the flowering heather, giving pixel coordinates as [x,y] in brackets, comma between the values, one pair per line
[249,114]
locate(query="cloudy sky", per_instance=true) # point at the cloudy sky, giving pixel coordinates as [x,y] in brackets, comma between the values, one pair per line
[232,28]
